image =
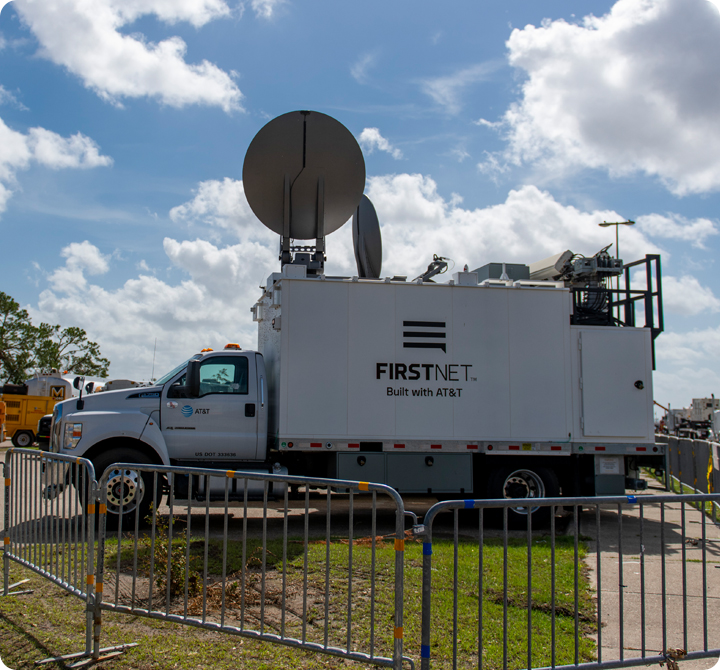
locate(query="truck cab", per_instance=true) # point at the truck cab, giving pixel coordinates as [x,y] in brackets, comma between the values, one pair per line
[210,411]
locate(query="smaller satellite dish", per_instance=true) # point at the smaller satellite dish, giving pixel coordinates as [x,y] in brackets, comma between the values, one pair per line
[367,240]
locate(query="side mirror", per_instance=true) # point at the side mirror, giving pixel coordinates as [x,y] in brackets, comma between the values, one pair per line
[192,379]
[78,381]
[89,387]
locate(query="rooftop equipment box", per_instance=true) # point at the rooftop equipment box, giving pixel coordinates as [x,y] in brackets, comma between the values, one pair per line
[383,361]
[514,271]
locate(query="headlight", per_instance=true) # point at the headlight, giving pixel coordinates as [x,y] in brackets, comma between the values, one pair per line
[73,433]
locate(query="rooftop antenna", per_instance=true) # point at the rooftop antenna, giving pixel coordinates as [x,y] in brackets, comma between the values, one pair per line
[437,267]
[304,175]
[152,374]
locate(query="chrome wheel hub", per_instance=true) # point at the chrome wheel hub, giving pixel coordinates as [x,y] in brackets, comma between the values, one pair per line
[523,484]
[125,489]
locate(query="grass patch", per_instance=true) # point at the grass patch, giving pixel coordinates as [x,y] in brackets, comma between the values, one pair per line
[50,622]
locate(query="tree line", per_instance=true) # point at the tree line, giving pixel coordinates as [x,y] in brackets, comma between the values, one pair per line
[26,348]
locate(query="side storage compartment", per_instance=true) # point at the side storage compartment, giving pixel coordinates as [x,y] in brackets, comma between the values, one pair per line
[410,473]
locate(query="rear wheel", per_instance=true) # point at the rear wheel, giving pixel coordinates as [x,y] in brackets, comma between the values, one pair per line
[23,439]
[129,491]
[513,483]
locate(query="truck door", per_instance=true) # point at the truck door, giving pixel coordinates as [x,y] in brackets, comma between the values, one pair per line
[221,423]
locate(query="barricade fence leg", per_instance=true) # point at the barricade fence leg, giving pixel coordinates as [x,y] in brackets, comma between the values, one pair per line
[7,587]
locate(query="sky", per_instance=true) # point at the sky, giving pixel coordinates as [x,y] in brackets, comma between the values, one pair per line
[495,131]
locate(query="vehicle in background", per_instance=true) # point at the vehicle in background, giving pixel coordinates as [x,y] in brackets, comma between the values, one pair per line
[26,404]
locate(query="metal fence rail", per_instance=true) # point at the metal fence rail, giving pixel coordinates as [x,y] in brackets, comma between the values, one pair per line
[649,561]
[255,562]
[692,463]
[50,528]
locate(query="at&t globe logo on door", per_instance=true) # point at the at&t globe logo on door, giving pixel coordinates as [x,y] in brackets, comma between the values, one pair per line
[187,411]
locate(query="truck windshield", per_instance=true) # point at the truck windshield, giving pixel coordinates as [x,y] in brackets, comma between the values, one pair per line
[172,373]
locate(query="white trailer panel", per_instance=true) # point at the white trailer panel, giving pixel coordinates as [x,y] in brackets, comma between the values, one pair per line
[399,362]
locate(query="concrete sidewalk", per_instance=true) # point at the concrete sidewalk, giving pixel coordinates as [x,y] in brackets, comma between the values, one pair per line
[636,557]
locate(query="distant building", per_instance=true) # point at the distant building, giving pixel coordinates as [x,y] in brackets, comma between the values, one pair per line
[702,408]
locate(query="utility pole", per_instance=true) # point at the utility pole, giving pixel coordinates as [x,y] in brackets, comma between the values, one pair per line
[617,224]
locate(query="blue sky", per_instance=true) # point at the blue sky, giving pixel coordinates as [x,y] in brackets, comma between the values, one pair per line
[492,131]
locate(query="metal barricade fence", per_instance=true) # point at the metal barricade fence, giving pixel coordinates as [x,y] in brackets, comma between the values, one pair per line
[48,529]
[693,466]
[612,582]
[50,526]
[251,560]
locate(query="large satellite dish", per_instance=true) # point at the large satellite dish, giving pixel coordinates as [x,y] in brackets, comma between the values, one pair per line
[304,175]
[367,240]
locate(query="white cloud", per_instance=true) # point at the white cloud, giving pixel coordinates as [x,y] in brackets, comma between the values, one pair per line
[359,69]
[685,295]
[679,385]
[45,148]
[54,151]
[631,91]
[698,347]
[460,153]
[223,206]
[210,307]
[266,8]
[447,91]
[371,139]
[84,256]
[530,225]
[81,257]
[6,97]
[85,38]
[674,226]
[196,12]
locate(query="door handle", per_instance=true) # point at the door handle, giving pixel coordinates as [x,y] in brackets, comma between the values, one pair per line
[250,409]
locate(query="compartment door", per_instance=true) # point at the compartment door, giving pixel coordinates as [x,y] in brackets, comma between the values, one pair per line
[616,381]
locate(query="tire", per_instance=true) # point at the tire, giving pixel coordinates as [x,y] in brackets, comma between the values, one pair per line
[127,489]
[23,439]
[512,482]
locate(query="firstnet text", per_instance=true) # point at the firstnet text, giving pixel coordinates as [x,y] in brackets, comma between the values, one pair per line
[450,372]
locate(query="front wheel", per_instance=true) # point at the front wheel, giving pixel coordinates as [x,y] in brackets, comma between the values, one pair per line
[514,483]
[129,491]
[23,439]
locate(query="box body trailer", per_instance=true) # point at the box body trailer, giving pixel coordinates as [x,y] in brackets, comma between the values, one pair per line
[458,372]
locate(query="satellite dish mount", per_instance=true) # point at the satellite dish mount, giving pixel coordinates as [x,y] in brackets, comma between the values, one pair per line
[313,257]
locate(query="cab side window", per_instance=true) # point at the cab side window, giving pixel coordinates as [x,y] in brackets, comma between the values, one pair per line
[177,388]
[224,375]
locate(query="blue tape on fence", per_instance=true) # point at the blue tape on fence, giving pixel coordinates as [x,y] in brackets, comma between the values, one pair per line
[424,651]
[632,499]
[427,548]
[469,504]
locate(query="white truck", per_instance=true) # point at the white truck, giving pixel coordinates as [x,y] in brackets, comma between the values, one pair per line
[484,386]
[458,389]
